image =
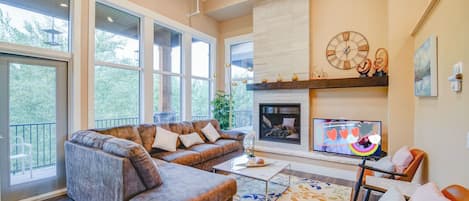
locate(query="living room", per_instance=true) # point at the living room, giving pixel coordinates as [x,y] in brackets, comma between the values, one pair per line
[233,100]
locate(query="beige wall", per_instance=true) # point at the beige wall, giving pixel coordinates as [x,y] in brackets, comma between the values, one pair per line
[441,123]
[328,18]
[230,28]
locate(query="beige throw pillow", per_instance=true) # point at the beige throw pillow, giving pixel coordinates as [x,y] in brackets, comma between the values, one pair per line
[211,133]
[165,140]
[191,139]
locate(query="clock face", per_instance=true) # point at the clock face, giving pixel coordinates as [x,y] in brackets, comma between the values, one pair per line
[346,50]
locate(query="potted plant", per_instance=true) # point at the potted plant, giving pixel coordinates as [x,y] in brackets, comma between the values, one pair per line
[222,109]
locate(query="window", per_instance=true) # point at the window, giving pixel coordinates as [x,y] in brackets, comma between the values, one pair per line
[201,81]
[241,58]
[167,76]
[117,71]
[43,24]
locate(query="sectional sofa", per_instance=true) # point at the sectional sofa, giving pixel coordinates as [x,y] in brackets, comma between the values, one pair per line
[113,164]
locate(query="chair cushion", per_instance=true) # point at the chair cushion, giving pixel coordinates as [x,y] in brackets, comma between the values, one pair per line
[123,132]
[393,194]
[229,145]
[207,151]
[90,139]
[187,183]
[141,160]
[180,156]
[428,192]
[147,134]
[402,158]
[383,164]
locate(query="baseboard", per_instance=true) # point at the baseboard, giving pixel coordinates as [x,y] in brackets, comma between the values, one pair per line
[48,195]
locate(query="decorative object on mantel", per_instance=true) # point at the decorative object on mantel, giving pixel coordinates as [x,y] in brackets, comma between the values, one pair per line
[381,62]
[264,81]
[364,68]
[318,74]
[346,50]
[425,67]
[294,77]
[279,78]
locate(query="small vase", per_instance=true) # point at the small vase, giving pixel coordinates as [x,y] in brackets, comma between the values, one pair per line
[249,144]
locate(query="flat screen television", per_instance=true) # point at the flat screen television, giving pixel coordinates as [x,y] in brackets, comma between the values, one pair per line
[347,137]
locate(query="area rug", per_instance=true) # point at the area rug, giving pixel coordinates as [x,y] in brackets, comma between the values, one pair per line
[301,189]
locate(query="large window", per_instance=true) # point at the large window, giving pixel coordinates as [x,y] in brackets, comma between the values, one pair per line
[117,70]
[241,60]
[201,80]
[43,24]
[167,74]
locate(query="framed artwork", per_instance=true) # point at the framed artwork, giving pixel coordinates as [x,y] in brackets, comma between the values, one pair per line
[425,68]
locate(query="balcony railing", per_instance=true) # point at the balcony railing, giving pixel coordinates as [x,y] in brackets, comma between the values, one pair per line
[107,123]
[41,136]
[242,118]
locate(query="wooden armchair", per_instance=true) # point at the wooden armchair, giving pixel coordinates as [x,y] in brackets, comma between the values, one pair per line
[365,171]
[456,193]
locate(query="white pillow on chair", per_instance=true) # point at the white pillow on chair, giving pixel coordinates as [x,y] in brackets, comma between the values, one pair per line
[383,164]
[393,194]
[402,159]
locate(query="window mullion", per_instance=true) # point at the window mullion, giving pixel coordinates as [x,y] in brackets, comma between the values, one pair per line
[146,84]
[187,82]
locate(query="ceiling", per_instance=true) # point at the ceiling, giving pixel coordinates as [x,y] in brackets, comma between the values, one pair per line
[230,10]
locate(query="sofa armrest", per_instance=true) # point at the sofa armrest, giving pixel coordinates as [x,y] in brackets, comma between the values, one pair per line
[233,135]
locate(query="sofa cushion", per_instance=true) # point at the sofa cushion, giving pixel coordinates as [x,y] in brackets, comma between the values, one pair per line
[165,140]
[123,132]
[229,145]
[90,139]
[141,160]
[199,125]
[147,134]
[180,156]
[179,128]
[207,151]
[184,183]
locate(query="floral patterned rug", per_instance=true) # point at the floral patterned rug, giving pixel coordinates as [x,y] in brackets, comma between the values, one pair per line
[300,189]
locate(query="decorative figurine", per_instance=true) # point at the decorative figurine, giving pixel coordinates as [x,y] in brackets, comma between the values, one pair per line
[294,77]
[279,78]
[381,62]
[264,81]
[364,68]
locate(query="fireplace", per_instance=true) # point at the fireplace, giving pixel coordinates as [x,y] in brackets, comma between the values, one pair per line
[280,123]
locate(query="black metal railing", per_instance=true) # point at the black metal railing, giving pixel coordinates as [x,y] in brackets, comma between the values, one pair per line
[242,118]
[41,137]
[107,123]
[200,117]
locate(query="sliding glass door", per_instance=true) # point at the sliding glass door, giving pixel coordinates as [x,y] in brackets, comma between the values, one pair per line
[33,126]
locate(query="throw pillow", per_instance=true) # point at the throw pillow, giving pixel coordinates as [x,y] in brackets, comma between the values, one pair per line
[383,164]
[191,139]
[288,123]
[141,160]
[165,140]
[428,192]
[393,194]
[211,133]
[402,158]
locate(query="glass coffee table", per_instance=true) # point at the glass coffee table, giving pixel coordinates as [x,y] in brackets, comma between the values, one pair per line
[266,174]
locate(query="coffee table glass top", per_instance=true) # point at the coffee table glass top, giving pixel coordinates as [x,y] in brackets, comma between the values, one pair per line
[237,166]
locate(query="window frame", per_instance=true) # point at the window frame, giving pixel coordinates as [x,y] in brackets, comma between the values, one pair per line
[210,78]
[147,20]
[228,43]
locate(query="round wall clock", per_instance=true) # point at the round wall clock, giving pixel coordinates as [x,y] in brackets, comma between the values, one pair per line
[346,50]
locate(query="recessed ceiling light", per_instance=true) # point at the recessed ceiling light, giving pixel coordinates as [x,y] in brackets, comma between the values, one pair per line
[109,19]
[64,5]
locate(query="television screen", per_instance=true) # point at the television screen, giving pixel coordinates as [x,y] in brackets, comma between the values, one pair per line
[349,137]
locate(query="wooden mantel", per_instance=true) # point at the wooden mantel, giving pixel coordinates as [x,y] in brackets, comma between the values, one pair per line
[322,83]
